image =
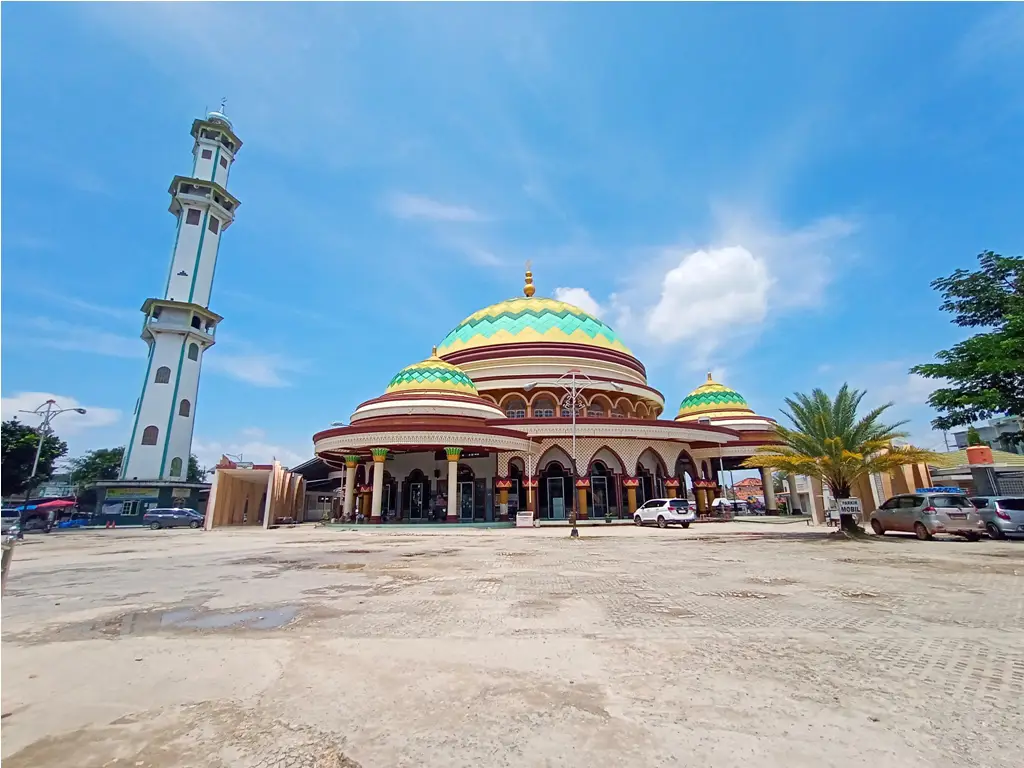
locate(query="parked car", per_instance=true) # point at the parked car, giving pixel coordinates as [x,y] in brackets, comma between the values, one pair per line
[665,512]
[925,514]
[172,518]
[1003,516]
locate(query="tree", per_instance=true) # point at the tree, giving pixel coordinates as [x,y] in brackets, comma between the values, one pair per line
[973,437]
[195,474]
[101,464]
[830,443]
[19,451]
[985,373]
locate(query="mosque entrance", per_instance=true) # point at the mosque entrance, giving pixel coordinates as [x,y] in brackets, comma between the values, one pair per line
[466,502]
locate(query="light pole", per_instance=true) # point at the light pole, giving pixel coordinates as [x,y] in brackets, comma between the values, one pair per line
[572,399]
[47,412]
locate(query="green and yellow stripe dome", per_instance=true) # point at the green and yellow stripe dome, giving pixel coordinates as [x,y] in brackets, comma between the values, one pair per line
[712,400]
[528,319]
[432,375]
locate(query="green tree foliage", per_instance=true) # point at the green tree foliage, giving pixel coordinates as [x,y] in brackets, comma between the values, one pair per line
[973,438]
[19,451]
[984,375]
[829,442]
[195,474]
[101,464]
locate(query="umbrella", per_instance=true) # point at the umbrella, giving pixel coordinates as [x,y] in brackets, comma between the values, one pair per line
[46,505]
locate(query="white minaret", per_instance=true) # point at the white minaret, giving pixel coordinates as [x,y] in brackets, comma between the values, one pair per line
[179,328]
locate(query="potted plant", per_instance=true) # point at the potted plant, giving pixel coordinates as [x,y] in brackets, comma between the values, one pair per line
[608,516]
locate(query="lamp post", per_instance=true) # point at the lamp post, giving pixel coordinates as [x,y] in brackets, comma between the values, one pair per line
[572,399]
[48,411]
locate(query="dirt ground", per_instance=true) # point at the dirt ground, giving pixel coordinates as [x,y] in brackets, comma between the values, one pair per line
[724,645]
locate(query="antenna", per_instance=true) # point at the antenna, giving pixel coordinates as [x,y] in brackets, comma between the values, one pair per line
[223,105]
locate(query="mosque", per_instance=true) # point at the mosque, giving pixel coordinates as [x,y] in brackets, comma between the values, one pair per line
[529,404]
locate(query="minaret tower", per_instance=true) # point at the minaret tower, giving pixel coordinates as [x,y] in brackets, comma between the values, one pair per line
[180,328]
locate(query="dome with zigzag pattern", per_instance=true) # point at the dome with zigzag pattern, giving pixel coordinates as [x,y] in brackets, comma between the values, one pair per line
[712,400]
[527,319]
[432,375]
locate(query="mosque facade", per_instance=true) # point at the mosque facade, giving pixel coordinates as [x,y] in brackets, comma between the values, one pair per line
[531,404]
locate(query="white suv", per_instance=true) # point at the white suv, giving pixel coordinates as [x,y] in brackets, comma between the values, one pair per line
[665,512]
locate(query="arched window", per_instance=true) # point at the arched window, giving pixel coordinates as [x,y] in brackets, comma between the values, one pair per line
[618,413]
[175,467]
[149,435]
[595,411]
[196,322]
[193,351]
[567,411]
[163,375]
[515,409]
[544,408]
[185,408]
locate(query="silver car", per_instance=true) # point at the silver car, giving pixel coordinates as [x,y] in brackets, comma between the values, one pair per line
[172,518]
[1003,516]
[925,514]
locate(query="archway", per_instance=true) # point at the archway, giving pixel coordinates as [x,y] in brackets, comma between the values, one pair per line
[555,491]
[651,472]
[471,499]
[416,495]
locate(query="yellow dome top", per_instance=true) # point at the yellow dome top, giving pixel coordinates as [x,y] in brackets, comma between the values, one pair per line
[432,375]
[530,319]
[712,400]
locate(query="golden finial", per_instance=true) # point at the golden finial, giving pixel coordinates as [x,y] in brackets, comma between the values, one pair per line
[433,351]
[709,377]
[528,289]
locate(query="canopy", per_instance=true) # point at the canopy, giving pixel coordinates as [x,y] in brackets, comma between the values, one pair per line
[46,505]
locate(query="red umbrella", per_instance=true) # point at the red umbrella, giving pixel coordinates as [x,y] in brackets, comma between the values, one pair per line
[56,504]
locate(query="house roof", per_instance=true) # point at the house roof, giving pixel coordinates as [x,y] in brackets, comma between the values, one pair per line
[959,459]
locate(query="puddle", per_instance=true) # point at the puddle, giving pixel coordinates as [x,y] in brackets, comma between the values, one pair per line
[267,618]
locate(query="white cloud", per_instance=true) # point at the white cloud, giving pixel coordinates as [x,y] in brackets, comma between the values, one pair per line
[70,423]
[580,297]
[709,292]
[74,337]
[252,446]
[404,206]
[259,369]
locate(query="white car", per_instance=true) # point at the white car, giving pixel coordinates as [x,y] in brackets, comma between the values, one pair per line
[666,512]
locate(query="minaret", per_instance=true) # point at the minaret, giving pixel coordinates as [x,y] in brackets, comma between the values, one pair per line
[179,328]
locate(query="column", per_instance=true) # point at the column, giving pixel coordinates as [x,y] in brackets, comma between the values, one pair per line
[379,455]
[768,485]
[531,495]
[453,455]
[794,496]
[364,501]
[581,496]
[700,494]
[672,487]
[349,511]
[630,484]
[503,484]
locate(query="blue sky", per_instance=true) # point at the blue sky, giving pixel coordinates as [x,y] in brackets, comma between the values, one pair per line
[763,190]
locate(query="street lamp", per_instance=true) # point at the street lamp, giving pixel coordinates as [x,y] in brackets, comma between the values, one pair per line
[572,399]
[47,412]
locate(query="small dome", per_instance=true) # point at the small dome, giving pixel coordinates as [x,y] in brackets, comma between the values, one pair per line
[712,400]
[218,117]
[432,375]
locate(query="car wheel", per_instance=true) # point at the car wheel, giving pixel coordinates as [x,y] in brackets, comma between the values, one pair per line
[194,524]
[661,522]
[685,525]
[637,520]
[877,528]
[922,532]
[154,526]
[972,536]
[993,531]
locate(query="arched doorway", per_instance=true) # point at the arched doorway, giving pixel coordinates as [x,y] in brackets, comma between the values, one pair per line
[389,501]
[555,492]
[466,488]
[601,496]
[652,477]
[517,493]
[416,492]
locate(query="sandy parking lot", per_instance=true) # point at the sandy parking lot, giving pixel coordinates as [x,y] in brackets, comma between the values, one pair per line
[727,645]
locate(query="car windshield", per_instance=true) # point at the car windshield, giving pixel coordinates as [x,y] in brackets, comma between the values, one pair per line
[947,502]
[1015,505]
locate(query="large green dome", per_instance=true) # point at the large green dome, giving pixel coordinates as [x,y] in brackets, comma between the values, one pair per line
[527,319]
[432,375]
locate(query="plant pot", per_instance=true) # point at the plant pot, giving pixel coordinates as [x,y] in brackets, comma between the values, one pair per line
[979,454]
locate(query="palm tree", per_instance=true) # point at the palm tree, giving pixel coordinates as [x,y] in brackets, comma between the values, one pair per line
[830,443]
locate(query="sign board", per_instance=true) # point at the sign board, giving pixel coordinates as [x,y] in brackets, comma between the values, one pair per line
[524,519]
[849,506]
[133,493]
[243,465]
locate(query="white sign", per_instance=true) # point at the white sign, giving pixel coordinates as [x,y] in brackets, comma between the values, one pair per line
[524,519]
[849,506]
